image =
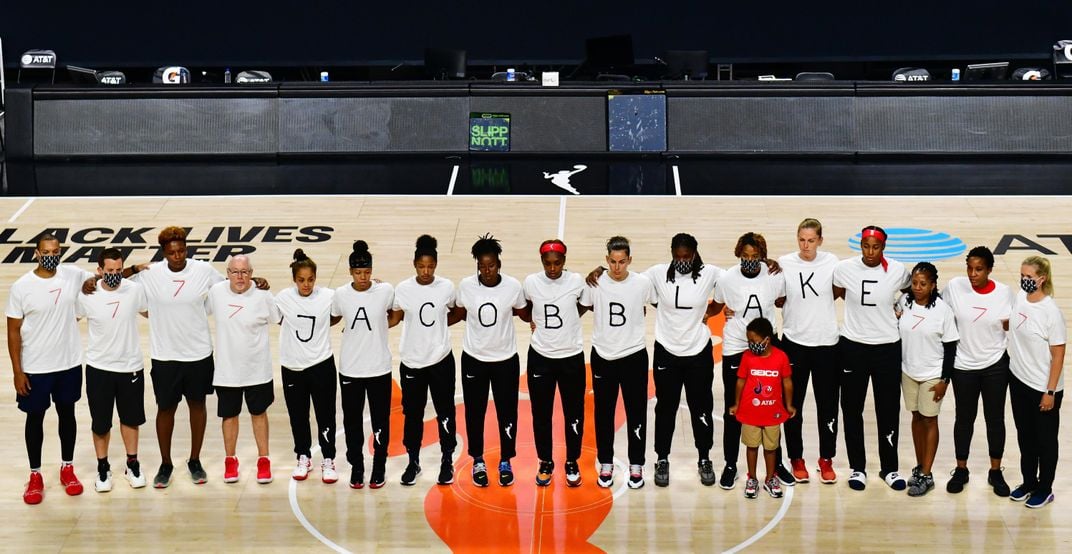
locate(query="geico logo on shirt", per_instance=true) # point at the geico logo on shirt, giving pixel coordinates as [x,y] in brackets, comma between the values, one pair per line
[764,373]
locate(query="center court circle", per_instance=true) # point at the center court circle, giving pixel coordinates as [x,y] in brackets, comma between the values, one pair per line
[910,244]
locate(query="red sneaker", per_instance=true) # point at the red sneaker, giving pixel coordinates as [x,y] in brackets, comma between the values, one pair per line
[826,471]
[800,470]
[230,469]
[35,489]
[69,480]
[264,470]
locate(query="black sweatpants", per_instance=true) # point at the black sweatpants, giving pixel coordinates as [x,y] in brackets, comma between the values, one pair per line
[818,363]
[968,385]
[354,391]
[502,379]
[1036,433]
[881,364]
[439,379]
[630,374]
[696,374]
[567,374]
[316,383]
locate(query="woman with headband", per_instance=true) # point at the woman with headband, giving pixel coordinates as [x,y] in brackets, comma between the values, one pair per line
[488,302]
[308,366]
[556,358]
[870,349]
[750,291]
[364,305]
[1037,337]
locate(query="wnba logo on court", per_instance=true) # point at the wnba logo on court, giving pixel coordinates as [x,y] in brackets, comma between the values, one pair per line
[906,244]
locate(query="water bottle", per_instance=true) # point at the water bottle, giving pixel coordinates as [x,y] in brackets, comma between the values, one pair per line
[324,77]
[956,74]
[510,74]
[227,75]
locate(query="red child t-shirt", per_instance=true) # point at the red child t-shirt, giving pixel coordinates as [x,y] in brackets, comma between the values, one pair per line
[761,402]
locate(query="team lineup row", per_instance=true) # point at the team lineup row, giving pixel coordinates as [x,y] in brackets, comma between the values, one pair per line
[898,332]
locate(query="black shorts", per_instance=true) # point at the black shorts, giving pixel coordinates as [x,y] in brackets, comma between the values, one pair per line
[125,391]
[258,398]
[172,380]
[61,387]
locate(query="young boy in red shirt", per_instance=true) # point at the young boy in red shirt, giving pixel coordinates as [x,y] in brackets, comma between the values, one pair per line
[764,402]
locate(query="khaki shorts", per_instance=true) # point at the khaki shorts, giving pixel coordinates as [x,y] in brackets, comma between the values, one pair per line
[752,436]
[918,396]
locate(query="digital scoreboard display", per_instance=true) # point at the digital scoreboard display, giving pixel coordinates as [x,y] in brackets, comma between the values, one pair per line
[489,132]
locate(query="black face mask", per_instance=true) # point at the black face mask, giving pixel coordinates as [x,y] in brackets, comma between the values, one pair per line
[1028,285]
[50,263]
[112,279]
[683,267]
[757,348]
[750,267]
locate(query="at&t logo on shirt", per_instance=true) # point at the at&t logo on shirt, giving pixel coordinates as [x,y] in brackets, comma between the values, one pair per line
[908,244]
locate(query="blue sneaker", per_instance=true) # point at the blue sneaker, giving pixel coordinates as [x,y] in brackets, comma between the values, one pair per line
[506,474]
[1021,493]
[1039,499]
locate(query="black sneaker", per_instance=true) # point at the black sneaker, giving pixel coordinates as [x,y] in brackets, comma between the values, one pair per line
[357,477]
[917,472]
[996,480]
[480,474]
[729,477]
[573,474]
[785,476]
[409,476]
[662,473]
[446,472]
[1022,492]
[506,474]
[707,472]
[960,478]
[378,478]
[197,473]
[544,474]
[921,485]
[163,476]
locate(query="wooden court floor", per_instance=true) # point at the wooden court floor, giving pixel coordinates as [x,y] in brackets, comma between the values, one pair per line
[312,516]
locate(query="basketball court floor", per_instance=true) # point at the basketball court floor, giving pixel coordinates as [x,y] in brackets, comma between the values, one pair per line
[685,517]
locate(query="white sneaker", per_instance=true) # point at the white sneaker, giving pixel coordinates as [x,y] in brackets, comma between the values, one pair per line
[327,468]
[105,485]
[301,471]
[135,482]
[636,476]
[606,475]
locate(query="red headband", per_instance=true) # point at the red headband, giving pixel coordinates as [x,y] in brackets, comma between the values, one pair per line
[880,236]
[873,233]
[553,247]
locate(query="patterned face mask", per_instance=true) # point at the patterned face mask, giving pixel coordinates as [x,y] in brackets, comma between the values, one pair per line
[1028,284]
[683,267]
[112,280]
[50,263]
[757,348]
[750,267]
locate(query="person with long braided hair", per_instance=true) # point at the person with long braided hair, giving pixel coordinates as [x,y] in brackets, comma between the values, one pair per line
[929,338]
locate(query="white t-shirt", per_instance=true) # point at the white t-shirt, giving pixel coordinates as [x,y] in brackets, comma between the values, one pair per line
[749,298]
[305,332]
[50,339]
[114,344]
[870,293]
[365,351]
[554,311]
[1033,328]
[425,335]
[679,326]
[809,317]
[243,357]
[178,324]
[979,316]
[489,320]
[618,309]
[923,330]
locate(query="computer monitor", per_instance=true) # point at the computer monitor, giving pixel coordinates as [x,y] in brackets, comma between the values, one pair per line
[614,51]
[687,64]
[82,75]
[996,71]
[444,63]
